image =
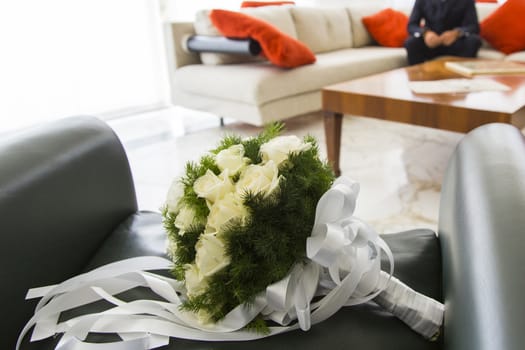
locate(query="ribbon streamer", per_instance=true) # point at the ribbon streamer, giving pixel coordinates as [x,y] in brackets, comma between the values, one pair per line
[343,269]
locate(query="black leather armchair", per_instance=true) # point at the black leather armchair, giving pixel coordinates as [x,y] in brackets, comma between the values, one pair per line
[67,204]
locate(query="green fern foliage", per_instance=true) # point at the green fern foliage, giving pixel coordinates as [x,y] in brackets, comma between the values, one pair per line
[263,247]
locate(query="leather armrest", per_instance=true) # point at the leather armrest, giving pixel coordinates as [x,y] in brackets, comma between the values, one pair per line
[64,187]
[482,234]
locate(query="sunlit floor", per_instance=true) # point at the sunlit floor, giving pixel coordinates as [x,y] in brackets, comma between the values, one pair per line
[399,166]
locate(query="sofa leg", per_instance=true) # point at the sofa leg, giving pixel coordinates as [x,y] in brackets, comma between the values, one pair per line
[221,121]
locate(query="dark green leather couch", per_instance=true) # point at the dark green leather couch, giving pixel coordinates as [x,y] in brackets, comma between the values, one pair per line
[67,204]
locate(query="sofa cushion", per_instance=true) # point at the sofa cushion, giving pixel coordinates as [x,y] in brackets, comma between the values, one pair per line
[278,16]
[388,27]
[203,26]
[281,49]
[490,54]
[265,3]
[517,56]
[141,234]
[322,29]
[259,83]
[484,10]
[361,36]
[504,28]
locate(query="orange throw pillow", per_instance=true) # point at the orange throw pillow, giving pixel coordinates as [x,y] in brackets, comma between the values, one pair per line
[265,3]
[388,27]
[280,49]
[504,28]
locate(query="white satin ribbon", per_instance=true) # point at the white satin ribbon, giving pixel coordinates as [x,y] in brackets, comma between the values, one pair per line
[422,314]
[343,267]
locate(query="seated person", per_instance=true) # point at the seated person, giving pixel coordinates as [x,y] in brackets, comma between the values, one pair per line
[442,27]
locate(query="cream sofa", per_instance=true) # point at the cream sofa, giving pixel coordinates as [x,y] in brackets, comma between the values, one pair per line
[257,92]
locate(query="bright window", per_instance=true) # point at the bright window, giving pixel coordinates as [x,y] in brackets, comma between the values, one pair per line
[70,57]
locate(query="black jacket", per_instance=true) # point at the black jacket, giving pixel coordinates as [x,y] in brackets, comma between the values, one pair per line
[442,15]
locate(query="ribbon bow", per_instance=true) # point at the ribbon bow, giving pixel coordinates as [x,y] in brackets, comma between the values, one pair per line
[345,257]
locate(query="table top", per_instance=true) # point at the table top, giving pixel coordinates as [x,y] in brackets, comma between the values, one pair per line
[394,85]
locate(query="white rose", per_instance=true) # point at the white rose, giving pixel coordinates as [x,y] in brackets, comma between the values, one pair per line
[184,219]
[232,159]
[213,187]
[224,210]
[175,193]
[195,283]
[203,317]
[258,178]
[210,255]
[278,148]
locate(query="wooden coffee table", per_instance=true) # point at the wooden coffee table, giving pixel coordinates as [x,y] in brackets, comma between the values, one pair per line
[387,96]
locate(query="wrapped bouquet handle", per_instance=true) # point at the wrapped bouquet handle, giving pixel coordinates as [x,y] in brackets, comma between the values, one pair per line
[343,244]
[421,313]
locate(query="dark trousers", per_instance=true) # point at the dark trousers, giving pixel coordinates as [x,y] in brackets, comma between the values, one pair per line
[418,51]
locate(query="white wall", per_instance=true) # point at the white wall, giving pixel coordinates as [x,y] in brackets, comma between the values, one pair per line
[68,57]
[184,10]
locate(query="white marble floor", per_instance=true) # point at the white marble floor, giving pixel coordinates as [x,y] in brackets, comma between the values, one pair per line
[399,166]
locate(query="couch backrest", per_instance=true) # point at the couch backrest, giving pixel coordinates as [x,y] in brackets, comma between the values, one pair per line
[360,35]
[485,9]
[322,29]
[278,16]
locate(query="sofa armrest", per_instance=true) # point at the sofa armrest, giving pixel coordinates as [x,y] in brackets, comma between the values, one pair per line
[482,234]
[178,32]
[64,186]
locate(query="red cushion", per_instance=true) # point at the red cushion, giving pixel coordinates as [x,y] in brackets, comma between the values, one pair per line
[388,27]
[504,28]
[265,3]
[280,49]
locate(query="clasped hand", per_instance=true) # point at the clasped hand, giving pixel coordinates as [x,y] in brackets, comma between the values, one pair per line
[447,38]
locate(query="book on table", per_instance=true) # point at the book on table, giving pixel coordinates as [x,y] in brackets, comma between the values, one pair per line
[477,67]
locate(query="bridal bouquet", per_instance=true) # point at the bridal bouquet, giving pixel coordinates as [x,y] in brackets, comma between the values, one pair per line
[262,240]
[263,218]
[239,219]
